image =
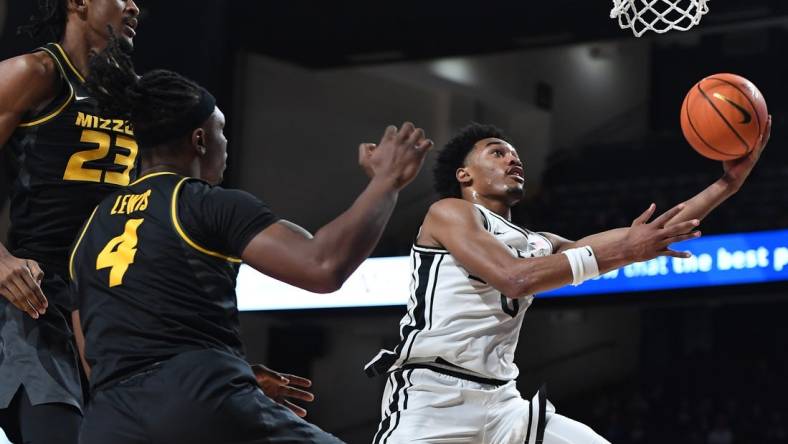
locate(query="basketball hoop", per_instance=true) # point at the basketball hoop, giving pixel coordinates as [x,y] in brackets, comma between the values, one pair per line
[659,16]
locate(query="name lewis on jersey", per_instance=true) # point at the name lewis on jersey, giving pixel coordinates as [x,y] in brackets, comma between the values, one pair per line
[130,203]
[96,122]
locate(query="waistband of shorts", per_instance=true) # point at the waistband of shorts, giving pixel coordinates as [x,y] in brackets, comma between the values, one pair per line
[206,358]
[127,378]
[456,374]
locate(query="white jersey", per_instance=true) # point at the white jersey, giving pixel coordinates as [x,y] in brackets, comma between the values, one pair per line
[458,321]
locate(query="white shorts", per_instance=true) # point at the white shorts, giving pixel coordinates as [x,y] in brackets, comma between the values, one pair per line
[424,406]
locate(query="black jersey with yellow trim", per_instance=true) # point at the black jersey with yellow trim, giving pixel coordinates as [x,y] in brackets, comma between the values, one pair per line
[68,157]
[146,289]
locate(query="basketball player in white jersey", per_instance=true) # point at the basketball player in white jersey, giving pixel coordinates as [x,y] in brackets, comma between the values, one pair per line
[451,379]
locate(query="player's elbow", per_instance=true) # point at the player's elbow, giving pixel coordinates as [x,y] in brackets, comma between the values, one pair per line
[326,278]
[330,285]
[324,286]
[514,285]
[519,289]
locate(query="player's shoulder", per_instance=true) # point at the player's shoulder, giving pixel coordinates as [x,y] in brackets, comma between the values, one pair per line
[34,69]
[449,207]
[194,191]
[28,81]
[199,187]
[451,204]
[203,194]
[451,210]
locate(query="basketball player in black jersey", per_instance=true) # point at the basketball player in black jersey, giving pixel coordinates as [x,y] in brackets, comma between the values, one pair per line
[68,157]
[156,263]
[480,177]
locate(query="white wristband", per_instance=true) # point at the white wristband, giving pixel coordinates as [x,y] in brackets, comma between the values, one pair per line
[583,264]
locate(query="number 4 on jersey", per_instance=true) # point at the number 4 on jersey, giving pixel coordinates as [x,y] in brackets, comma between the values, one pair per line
[119,253]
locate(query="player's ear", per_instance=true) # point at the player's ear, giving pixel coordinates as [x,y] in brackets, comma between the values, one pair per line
[198,141]
[76,5]
[463,176]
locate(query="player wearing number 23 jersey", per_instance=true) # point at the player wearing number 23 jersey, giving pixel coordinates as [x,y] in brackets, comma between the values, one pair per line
[68,161]
[68,157]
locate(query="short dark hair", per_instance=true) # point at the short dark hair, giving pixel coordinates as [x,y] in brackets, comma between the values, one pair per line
[50,20]
[453,155]
[153,103]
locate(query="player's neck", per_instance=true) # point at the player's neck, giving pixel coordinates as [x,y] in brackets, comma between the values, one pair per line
[495,205]
[78,47]
[153,164]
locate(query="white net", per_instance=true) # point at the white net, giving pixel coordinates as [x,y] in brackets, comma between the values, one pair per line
[658,15]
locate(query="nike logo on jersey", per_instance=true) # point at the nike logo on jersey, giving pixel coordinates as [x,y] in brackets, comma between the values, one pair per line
[746,116]
[78,98]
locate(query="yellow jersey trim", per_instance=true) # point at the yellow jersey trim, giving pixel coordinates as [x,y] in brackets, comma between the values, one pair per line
[177,225]
[68,62]
[76,245]
[60,109]
[148,176]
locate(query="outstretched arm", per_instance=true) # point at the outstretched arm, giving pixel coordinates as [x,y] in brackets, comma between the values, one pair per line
[618,235]
[735,174]
[561,244]
[322,262]
[456,225]
[696,208]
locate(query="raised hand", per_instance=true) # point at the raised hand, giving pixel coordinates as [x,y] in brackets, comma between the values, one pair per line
[737,170]
[647,240]
[20,283]
[399,155]
[279,387]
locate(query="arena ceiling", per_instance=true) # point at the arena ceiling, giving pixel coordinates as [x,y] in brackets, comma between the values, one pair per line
[322,34]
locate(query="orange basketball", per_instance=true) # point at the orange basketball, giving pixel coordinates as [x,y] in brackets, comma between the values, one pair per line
[723,116]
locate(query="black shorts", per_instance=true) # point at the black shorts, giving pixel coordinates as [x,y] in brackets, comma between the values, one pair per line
[196,397]
[49,423]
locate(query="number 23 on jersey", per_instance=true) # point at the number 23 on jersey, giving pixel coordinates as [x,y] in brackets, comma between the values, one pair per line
[77,170]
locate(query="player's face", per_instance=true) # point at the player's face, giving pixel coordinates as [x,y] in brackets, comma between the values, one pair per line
[121,15]
[495,170]
[213,163]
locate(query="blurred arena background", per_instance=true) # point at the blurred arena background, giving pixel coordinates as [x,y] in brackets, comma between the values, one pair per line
[594,113]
